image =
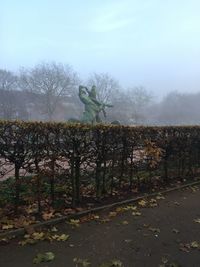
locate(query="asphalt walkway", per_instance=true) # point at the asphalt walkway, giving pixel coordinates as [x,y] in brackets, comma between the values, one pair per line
[165,234]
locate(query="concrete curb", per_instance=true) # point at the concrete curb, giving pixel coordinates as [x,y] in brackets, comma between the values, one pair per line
[22,231]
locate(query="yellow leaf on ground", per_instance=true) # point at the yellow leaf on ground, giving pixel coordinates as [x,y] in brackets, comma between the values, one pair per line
[130,207]
[62,237]
[7,226]
[54,229]
[74,222]
[197,220]
[142,203]
[81,262]
[195,244]
[38,236]
[119,209]
[160,197]
[136,213]
[112,214]
[125,222]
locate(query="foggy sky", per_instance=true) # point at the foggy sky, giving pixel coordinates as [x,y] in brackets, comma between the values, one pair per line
[153,43]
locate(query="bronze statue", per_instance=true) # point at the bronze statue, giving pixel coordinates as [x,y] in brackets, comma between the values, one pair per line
[93,107]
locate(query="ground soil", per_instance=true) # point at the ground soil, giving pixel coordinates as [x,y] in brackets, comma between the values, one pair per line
[133,243]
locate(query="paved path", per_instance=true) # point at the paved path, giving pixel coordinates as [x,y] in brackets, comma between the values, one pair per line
[143,241]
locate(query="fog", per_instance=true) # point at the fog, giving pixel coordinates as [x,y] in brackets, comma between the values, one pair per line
[149,44]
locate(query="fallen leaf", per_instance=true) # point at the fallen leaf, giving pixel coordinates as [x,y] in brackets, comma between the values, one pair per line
[125,222]
[7,226]
[197,220]
[155,230]
[117,263]
[136,213]
[54,229]
[63,237]
[38,235]
[160,197]
[89,217]
[184,247]
[130,207]
[81,262]
[113,263]
[194,189]
[142,203]
[27,241]
[45,257]
[112,214]
[153,200]
[164,260]
[48,215]
[153,203]
[195,244]
[32,209]
[119,209]
[75,223]
[176,231]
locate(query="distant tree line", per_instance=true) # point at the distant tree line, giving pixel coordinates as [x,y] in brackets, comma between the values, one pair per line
[49,92]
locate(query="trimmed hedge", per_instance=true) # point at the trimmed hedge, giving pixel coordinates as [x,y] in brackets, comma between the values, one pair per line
[65,162]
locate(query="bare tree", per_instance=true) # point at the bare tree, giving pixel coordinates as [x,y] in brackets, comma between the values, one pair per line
[8,83]
[120,111]
[105,84]
[178,109]
[52,83]
[138,100]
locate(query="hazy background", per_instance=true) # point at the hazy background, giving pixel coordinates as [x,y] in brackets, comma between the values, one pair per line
[152,44]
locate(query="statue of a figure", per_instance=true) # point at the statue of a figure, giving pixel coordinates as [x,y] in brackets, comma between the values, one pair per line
[93,107]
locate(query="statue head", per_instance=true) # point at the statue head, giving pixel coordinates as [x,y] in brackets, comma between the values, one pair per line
[93,92]
[82,90]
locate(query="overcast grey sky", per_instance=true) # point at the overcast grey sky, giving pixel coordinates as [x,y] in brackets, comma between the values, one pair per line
[154,43]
